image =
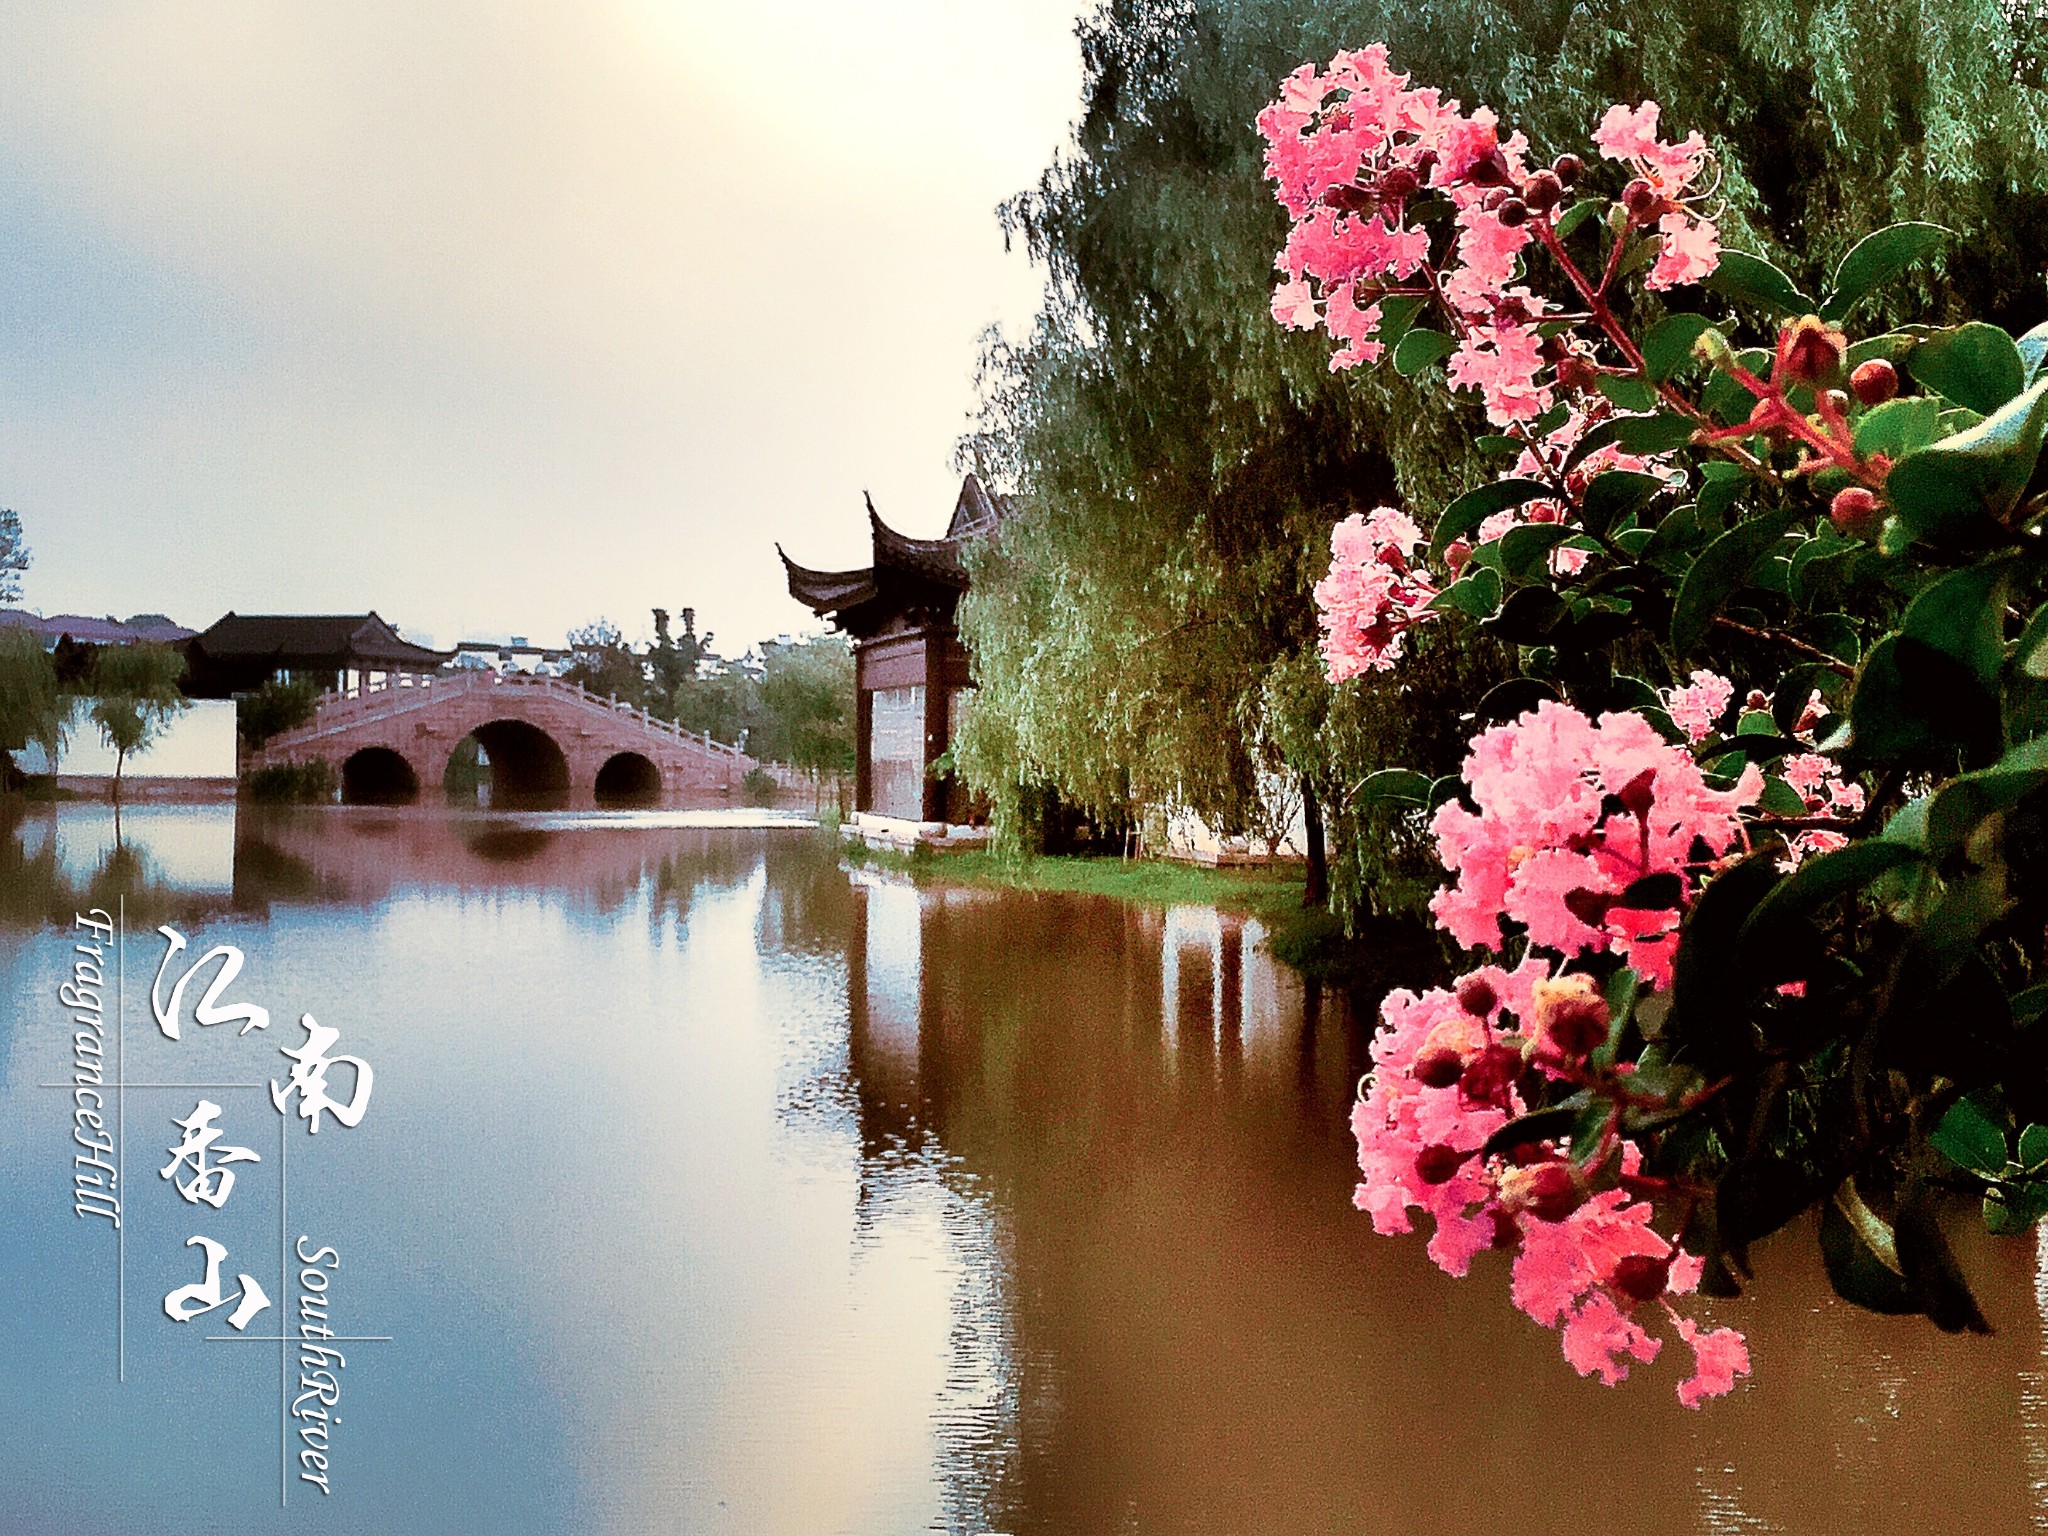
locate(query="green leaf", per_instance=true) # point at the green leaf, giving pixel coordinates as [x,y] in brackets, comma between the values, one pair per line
[1976,365]
[1477,593]
[1898,427]
[2034,1147]
[1963,615]
[1394,786]
[1528,617]
[1612,496]
[1462,517]
[1824,878]
[1720,571]
[1952,490]
[2011,1210]
[1861,1256]
[1495,443]
[1653,434]
[1917,704]
[1418,349]
[1580,211]
[1525,550]
[1960,806]
[1628,394]
[2033,347]
[1668,345]
[1780,798]
[1878,258]
[1543,1125]
[1751,280]
[2031,655]
[1968,1138]
[1397,317]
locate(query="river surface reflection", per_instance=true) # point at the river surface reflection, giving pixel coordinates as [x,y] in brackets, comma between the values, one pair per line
[707,1187]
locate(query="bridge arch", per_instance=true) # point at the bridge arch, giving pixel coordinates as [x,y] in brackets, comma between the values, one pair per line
[378,776]
[526,766]
[627,778]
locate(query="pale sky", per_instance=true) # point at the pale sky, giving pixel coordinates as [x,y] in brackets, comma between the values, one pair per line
[498,316]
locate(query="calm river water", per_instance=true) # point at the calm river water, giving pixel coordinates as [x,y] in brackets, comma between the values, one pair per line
[706,1188]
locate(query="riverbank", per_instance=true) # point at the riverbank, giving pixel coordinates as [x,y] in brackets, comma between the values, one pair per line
[1308,940]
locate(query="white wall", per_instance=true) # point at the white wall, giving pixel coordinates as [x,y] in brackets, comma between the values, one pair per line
[199,744]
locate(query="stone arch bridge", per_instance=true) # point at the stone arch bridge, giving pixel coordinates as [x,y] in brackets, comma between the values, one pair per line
[548,742]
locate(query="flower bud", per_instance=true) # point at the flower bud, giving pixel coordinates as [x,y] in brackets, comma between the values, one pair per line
[1438,1164]
[1439,1068]
[1491,1074]
[1813,350]
[1836,401]
[1512,212]
[1578,373]
[1346,198]
[1639,1278]
[1456,553]
[1543,191]
[1712,348]
[1400,183]
[1641,200]
[1566,168]
[1857,512]
[1571,1015]
[1547,1191]
[1874,381]
[1477,997]
[1492,201]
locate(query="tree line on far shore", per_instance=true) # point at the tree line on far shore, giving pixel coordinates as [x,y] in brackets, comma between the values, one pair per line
[784,701]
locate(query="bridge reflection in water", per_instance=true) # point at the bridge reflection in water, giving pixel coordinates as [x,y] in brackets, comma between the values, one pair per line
[953,1209]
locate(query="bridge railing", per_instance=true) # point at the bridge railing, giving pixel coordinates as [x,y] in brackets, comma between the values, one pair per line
[401,693]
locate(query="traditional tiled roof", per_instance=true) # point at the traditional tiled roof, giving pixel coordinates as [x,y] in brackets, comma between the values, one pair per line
[904,572]
[315,642]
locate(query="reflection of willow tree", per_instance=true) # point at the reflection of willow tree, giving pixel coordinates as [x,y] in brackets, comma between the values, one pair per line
[36,890]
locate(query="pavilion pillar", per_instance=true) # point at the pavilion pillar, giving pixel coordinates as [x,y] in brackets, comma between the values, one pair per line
[934,725]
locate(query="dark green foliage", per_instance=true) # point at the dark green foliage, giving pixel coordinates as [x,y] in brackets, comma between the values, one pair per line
[307,783]
[280,705]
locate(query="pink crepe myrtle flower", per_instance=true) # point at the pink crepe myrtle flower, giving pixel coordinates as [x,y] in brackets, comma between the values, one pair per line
[1544,849]
[1696,707]
[1418,1147]
[1373,593]
[1688,250]
[1689,244]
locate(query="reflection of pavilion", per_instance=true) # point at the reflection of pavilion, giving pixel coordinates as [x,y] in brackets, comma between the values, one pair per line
[969,1009]
[910,670]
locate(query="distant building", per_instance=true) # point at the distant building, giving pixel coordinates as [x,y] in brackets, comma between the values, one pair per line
[516,654]
[239,653]
[910,670]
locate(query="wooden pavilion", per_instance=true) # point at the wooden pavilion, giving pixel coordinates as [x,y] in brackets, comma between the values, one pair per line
[910,670]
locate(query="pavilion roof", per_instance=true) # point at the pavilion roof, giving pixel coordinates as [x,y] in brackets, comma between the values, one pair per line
[315,642]
[904,572]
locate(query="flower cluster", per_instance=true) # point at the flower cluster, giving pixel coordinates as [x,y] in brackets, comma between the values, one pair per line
[1574,818]
[1374,592]
[1351,151]
[1697,707]
[1446,1066]
[1689,245]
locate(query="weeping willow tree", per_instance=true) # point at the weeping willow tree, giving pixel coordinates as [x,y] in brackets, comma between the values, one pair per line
[1143,633]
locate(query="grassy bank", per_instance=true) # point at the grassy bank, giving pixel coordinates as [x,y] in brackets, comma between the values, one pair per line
[1307,939]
